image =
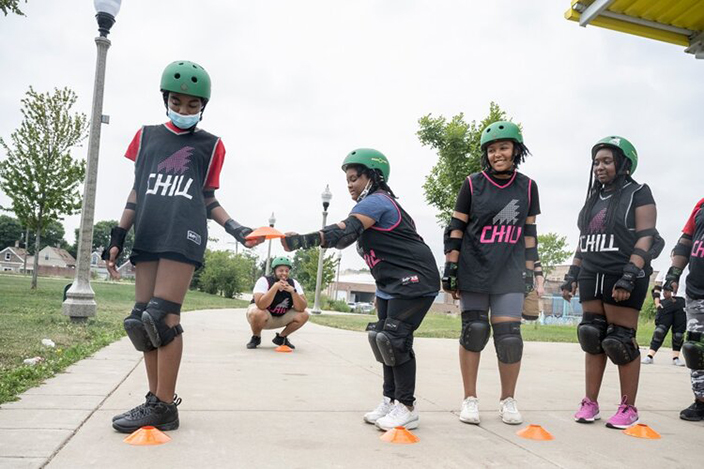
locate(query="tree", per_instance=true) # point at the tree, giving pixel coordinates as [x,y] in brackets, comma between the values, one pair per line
[101,239]
[11,6]
[10,231]
[226,273]
[305,269]
[459,155]
[39,175]
[552,252]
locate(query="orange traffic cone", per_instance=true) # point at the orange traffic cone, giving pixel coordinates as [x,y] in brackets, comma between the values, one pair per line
[535,432]
[641,430]
[147,436]
[399,435]
[265,232]
[283,348]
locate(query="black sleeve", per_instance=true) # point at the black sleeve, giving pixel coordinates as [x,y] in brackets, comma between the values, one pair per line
[534,208]
[643,197]
[464,199]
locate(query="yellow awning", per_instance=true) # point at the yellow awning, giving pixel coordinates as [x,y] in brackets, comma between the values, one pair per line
[678,22]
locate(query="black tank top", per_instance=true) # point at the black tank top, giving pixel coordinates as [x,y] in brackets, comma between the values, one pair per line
[695,279]
[283,300]
[400,262]
[170,171]
[608,253]
[492,257]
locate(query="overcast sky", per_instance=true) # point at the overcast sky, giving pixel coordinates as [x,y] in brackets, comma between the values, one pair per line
[297,85]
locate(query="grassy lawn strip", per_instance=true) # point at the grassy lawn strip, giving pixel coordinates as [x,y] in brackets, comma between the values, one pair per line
[446,326]
[27,317]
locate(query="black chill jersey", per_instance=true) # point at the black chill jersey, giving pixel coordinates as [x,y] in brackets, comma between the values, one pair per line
[492,257]
[400,262]
[171,168]
[608,253]
[695,279]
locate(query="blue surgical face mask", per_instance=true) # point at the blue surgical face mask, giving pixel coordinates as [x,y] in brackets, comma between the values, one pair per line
[183,121]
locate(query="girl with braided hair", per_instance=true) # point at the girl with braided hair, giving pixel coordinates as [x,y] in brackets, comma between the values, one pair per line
[611,267]
[407,278]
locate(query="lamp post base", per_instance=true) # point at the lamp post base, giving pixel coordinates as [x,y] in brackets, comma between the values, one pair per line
[80,303]
[315,311]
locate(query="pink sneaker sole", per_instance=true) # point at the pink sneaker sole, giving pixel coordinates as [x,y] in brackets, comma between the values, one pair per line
[587,420]
[621,427]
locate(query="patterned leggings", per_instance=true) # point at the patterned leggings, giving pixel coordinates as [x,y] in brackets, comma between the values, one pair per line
[695,323]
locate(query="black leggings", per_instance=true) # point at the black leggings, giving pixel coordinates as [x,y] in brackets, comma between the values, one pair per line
[676,319]
[400,381]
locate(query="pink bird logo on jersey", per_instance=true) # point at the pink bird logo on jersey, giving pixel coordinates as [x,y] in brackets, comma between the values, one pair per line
[178,162]
[598,223]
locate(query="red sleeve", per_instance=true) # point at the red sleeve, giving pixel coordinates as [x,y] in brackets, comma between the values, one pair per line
[213,179]
[689,227]
[133,149]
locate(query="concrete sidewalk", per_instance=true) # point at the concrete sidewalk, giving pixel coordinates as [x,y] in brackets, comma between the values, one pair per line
[257,408]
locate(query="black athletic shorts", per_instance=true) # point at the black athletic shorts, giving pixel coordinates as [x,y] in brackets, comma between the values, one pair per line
[144,256]
[593,286]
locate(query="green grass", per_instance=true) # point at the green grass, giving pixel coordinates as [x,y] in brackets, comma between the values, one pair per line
[28,316]
[446,326]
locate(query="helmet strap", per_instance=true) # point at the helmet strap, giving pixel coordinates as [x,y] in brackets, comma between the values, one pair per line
[365,192]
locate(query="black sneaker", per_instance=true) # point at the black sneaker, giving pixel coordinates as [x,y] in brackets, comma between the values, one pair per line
[279,340]
[254,341]
[155,413]
[693,413]
[148,397]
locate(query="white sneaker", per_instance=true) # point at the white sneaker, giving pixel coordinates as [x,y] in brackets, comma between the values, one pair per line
[509,411]
[647,360]
[400,416]
[470,410]
[677,362]
[381,410]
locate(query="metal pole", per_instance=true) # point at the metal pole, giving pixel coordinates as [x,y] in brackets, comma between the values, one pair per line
[337,280]
[268,260]
[80,299]
[319,277]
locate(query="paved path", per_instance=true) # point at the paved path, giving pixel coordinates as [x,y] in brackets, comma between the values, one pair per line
[252,409]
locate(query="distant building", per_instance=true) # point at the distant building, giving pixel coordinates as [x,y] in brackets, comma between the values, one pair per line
[12,259]
[126,270]
[56,257]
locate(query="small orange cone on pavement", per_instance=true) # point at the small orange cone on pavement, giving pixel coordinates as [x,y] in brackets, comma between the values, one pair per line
[283,348]
[147,436]
[266,232]
[535,432]
[399,435]
[641,430]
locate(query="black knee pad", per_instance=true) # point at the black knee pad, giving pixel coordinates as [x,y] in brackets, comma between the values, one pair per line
[475,330]
[154,322]
[658,336]
[620,344]
[677,341]
[373,329]
[508,341]
[395,342]
[591,332]
[135,329]
[693,351]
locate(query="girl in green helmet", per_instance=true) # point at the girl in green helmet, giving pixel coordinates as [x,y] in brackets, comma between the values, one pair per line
[177,170]
[491,250]
[405,272]
[611,268]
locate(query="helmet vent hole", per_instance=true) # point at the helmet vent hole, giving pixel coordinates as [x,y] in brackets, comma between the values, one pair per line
[194,79]
[501,126]
[180,63]
[177,76]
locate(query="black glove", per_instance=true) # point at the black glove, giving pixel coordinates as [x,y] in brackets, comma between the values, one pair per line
[529,278]
[628,280]
[305,241]
[117,240]
[571,277]
[237,231]
[449,277]
[673,276]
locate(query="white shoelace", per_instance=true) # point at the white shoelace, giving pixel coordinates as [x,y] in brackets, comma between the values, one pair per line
[470,404]
[510,405]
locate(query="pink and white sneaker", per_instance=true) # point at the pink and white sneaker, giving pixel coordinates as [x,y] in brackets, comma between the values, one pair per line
[625,416]
[588,411]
